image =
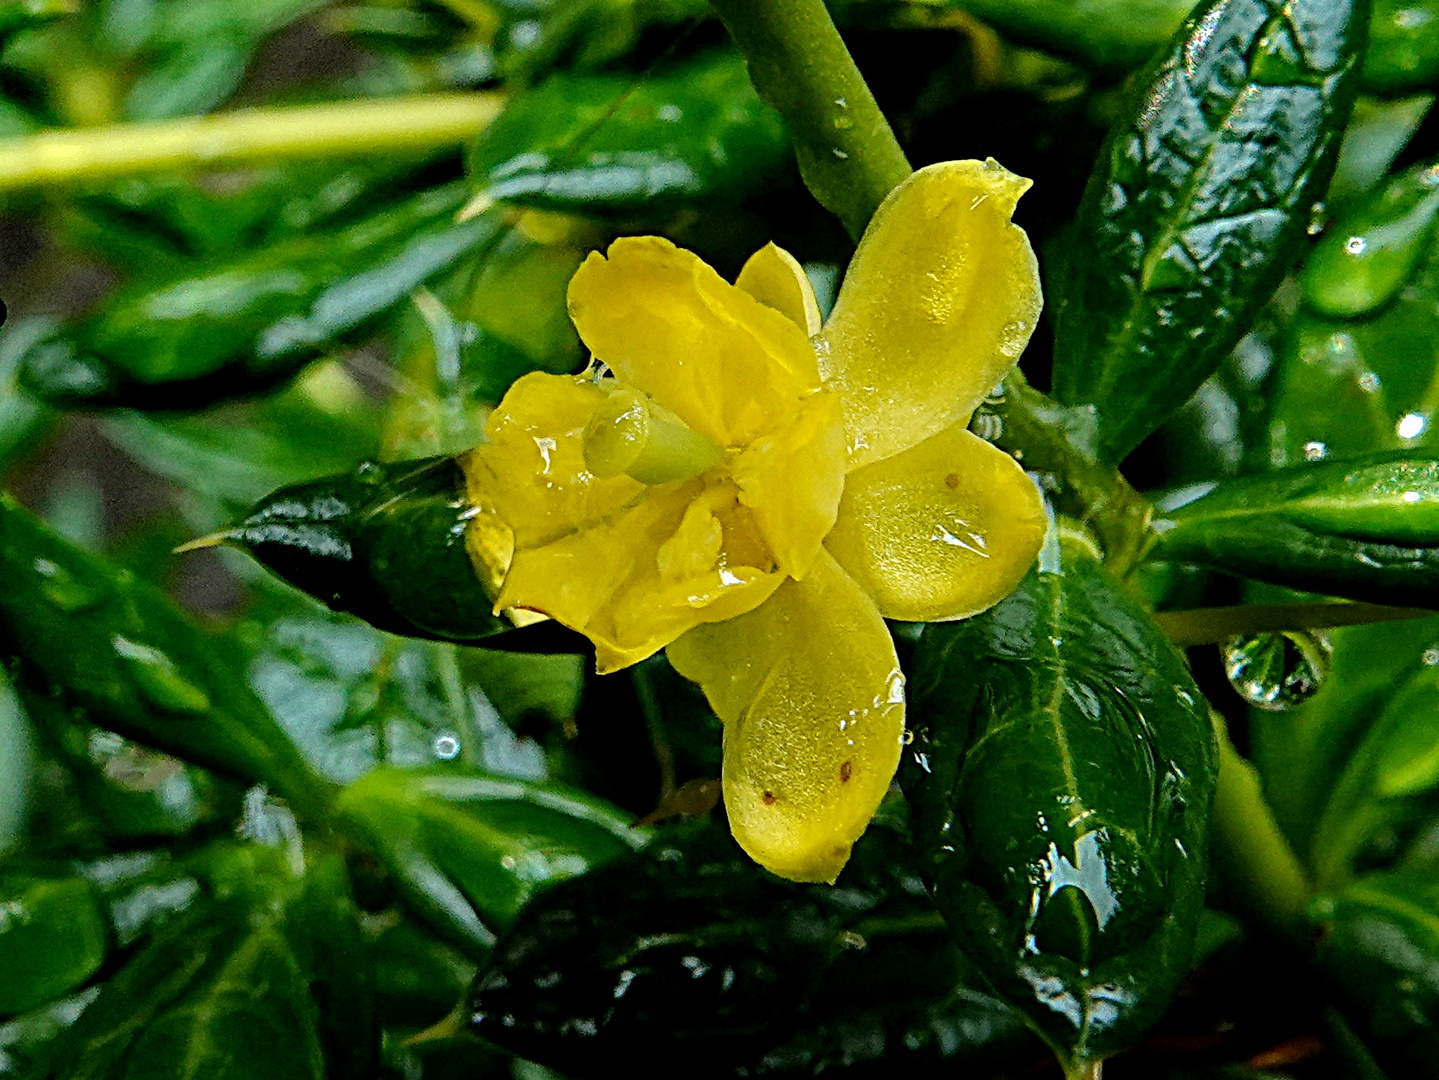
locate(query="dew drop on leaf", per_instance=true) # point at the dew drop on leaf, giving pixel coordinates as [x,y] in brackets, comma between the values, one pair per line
[1277,671]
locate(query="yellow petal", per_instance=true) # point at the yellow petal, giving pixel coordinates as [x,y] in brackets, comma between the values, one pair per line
[727,365]
[812,700]
[943,530]
[792,480]
[685,554]
[531,473]
[774,277]
[938,302]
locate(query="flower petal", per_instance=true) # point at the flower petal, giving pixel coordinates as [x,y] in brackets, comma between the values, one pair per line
[667,324]
[943,530]
[812,700]
[792,480]
[687,553]
[938,302]
[531,473]
[774,277]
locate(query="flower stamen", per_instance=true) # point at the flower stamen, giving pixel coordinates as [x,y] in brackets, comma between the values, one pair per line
[630,434]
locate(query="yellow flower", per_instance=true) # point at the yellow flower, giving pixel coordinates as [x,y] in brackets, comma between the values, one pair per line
[757,492]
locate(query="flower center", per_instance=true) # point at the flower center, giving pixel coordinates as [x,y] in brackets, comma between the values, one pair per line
[630,434]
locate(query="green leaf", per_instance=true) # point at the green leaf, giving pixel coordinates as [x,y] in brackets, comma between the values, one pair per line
[1372,253]
[1385,796]
[27,1042]
[1366,529]
[247,324]
[1199,204]
[469,850]
[267,976]
[94,638]
[640,148]
[1403,51]
[1377,133]
[590,34]
[1060,782]
[15,766]
[691,959]
[352,697]
[1119,35]
[1110,34]
[231,457]
[24,422]
[53,937]
[384,542]
[1302,753]
[1378,943]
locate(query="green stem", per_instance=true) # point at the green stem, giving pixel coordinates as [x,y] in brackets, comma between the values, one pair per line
[848,155]
[1251,852]
[277,133]
[1215,625]
[1040,434]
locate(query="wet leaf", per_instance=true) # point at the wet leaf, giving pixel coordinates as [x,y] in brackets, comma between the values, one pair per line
[1199,204]
[1363,529]
[469,850]
[92,637]
[1060,781]
[694,133]
[691,959]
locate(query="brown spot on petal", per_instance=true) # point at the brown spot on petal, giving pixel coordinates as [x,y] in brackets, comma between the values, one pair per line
[846,770]
[952,481]
[768,798]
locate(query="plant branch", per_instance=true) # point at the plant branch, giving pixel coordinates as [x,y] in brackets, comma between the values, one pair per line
[1042,436]
[1216,625]
[265,134]
[848,155]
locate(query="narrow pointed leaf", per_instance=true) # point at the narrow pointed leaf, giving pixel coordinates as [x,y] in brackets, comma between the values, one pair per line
[1200,203]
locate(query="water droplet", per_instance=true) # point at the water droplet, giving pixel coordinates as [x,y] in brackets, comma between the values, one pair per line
[64,589]
[370,473]
[1315,451]
[158,681]
[1369,382]
[1411,425]
[907,737]
[840,154]
[1277,671]
[446,746]
[1356,245]
[1318,219]
[1431,656]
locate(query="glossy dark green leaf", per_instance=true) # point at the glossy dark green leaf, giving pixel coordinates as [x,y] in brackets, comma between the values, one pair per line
[690,959]
[1379,949]
[1365,529]
[384,542]
[242,326]
[469,850]
[94,638]
[1199,204]
[636,147]
[53,937]
[1060,783]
